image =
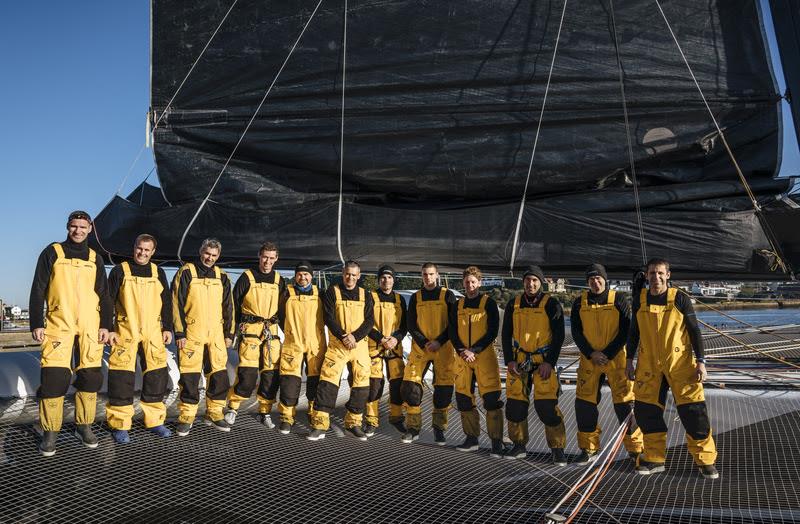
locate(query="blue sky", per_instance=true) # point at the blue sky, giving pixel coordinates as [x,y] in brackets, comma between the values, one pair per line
[75,92]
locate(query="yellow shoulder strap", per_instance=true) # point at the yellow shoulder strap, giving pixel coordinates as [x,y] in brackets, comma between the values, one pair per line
[584,299]
[643,298]
[217,273]
[92,256]
[291,290]
[671,294]
[314,290]
[398,300]
[192,269]
[460,303]
[442,293]
[543,303]
[250,277]
[375,297]
[126,268]
[59,250]
[338,293]
[153,270]
[484,298]
[612,295]
[517,301]
[362,295]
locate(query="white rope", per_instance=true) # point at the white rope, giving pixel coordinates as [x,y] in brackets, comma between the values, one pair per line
[628,137]
[536,141]
[246,129]
[169,104]
[764,224]
[341,140]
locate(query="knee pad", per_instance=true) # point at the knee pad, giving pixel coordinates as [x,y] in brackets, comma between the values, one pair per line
[694,418]
[442,396]
[649,417]
[190,388]
[89,380]
[246,381]
[375,389]
[325,399]
[54,382]
[120,387]
[268,385]
[395,396]
[290,390]
[491,401]
[358,400]
[411,393]
[464,402]
[546,410]
[585,415]
[154,385]
[218,385]
[516,410]
[311,387]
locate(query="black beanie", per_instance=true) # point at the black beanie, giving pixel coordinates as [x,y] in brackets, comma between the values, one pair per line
[386,269]
[596,270]
[535,271]
[303,265]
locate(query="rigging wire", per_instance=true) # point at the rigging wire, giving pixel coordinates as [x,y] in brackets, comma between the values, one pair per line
[536,141]
[246,129]
[768,233]
[341,138]
[635,183]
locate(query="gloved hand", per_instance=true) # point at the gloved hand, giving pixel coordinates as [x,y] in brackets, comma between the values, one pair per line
[639,280]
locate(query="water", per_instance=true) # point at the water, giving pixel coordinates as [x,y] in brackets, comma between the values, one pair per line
[756,317]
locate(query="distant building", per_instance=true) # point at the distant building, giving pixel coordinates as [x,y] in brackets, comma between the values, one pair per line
[556,285]
[716,289]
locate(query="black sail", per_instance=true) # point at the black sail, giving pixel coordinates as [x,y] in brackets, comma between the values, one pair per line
[441,107]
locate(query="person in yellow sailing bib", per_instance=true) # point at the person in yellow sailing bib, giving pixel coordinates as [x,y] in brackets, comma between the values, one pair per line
[142,329]
[600,320]
[428,312]
[670,357]
[473,327]
[255,297]
[304,345]
[348,313]
[385,347]
[70,316]
[203,315]
[533,333]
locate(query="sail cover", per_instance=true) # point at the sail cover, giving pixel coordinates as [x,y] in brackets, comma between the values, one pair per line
[407,133]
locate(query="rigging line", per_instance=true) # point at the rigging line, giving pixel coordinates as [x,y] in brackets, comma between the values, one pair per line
[748,346]
[536,140]
[180,86]
[246,129]
[341,138]
[628,135]
[776,249]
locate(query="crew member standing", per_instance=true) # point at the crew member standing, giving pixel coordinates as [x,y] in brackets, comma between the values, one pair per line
[143,328]
[600,320]
[203,316]
[70,316]
[255,297]
[385,346]
[533,333]
[348,313]
[473,326]
[670,356]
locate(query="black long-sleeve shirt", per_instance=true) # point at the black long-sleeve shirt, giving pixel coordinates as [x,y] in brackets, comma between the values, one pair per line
[433,294]
[401,330]
[243,286]
[329,311]
[493,319]
[115,282]
[616,344]
[683,304]
[554,312]
[41,281]
[183,291]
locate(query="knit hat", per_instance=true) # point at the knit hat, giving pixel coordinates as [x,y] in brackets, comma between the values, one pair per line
[303,265]
[596,270]
[535,271]
[386,269]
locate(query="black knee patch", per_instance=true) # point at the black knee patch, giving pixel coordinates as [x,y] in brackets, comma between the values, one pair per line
[120,387]
[358,400]
[585,415]
[246,379]
[154,385]
[442,396]
[290,390]
[395,396]
[54,382]
[89,380]
[190,388]
[312,383]
[268,385]
[411,393]
[218,385]
[649,417]
[546,410]
[621,410]
[375,388]
[325,399]
[694,418]
[491,401]
[464,402]
[516,410]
